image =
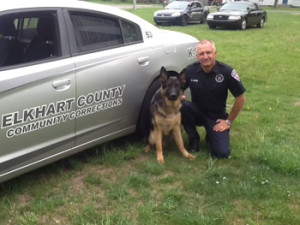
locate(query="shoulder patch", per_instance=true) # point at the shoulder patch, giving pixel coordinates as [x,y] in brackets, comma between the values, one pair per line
[235,75]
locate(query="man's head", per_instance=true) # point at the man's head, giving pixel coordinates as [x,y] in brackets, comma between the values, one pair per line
[206,54]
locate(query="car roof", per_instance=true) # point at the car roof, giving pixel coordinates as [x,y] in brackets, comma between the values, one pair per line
[74,4]
[20,4]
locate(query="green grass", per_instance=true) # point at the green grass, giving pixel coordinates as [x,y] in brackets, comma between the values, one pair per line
[117,183]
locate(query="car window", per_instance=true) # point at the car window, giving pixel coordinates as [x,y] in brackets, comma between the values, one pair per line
[198,4]
[93,31]
[234,6]
[178,5]
[131,32]
[27,37]
[253,7]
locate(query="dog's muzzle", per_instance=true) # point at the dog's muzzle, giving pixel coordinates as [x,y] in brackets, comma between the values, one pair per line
[173,97]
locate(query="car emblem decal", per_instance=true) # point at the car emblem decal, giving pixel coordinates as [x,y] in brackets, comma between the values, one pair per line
[219,78]
[235,75]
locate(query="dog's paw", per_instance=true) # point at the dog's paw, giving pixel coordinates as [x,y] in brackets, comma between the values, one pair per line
[191,156]
[147,148]
[160,160]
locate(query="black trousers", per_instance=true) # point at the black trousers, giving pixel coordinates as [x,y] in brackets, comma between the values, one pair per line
[191,117]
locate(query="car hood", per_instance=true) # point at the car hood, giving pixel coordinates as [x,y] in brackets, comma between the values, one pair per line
[229,13]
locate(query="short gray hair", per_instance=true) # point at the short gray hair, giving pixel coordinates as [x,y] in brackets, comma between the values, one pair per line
[204,41]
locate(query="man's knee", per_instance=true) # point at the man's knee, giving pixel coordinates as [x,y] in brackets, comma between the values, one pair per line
[219,145]
[186,114]
[185,108]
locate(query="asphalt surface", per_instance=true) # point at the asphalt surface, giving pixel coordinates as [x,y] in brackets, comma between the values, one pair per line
[132,6]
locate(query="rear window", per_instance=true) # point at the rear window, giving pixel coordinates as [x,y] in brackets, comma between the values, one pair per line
[94,31]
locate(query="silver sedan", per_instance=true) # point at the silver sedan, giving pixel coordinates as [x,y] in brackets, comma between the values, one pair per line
[75,74]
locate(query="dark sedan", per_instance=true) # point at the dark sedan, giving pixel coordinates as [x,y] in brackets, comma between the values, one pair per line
[182,12]
[237,15]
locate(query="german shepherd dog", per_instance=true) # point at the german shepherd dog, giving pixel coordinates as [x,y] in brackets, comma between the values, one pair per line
[165,113]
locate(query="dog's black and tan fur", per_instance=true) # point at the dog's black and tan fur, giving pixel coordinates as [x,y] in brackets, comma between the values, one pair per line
[165,113]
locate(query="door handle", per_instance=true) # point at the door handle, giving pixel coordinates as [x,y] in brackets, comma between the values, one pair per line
[61,85]
[144,61]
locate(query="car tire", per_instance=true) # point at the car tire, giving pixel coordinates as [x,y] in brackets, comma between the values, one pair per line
[243,24]
[184,20]
[261,23]
[144,120]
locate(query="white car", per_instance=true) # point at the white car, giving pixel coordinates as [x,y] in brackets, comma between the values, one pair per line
[75,74]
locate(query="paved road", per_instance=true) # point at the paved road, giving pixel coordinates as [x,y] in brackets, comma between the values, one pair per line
[131,6]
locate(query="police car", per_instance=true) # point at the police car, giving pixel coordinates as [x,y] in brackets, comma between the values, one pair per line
[238,15]
[182,12]
[75,74]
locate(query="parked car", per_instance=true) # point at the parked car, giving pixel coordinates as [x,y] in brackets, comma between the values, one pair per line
[182,13]
[238,15]
[75,74]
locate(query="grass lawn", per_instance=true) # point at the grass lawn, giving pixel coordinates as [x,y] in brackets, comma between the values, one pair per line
[117,183]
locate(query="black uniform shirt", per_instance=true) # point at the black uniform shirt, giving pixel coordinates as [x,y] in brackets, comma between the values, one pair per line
[210,91]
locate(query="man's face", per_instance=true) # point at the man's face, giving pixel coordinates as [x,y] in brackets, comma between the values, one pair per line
[206,55]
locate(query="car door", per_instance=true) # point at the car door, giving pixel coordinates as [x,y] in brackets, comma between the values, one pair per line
[110,59]
[254,15]
[37,89]
[195,12]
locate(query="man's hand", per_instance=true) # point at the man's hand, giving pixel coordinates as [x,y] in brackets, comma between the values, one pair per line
[221,126]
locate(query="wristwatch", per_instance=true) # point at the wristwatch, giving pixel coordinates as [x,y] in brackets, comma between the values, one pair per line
[228,122]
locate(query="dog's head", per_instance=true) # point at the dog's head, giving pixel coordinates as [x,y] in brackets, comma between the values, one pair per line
[172,83]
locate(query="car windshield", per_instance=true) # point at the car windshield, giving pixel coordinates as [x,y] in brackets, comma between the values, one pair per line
[233,6]
[177,5]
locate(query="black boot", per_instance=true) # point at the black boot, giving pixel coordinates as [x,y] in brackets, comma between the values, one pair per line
[193,145]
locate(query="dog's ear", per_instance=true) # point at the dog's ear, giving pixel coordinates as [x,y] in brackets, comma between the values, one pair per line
[163,75]
[182,76]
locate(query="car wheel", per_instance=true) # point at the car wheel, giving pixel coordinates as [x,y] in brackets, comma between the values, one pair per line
[183,21]
[243,24]
[261,23]
[144,120]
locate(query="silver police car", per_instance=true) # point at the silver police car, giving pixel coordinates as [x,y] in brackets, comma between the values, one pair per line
[75,74]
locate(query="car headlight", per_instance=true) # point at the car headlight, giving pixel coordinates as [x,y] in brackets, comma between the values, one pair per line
[209,17]
[234,17]
[176,14]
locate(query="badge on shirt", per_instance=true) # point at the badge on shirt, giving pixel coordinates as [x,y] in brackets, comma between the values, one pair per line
[235,75]
[219,78]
